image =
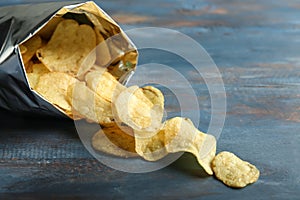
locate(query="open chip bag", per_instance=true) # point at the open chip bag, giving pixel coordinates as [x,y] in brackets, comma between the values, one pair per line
[45,47]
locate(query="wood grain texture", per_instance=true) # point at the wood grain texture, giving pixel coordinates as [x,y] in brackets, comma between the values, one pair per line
[255,45]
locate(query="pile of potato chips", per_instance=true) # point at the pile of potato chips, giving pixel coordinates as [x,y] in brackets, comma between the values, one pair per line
[62,66]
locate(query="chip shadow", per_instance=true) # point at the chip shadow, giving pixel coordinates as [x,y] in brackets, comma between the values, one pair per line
[188,164]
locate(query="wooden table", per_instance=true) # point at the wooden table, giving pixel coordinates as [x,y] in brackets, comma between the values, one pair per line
[256,46]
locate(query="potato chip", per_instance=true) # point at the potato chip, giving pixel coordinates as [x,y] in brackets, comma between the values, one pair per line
[31,45]
[102,50]
[33,79]
[36,71]
[53,87]
[115,141]
[104,84]
[69,47]
[88,104]
[133,108]
[177,135]
[233,171]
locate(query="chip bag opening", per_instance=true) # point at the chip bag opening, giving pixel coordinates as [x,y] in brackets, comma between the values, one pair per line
[76,42]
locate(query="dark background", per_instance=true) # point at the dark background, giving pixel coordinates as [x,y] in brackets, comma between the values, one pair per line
[256,46]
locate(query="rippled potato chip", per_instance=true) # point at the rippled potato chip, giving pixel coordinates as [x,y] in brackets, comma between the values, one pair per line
[53,87]
[88,104]
[114,140]
[233,171]
[177,135]
[133,108]
[33,79]
[31,46]
[36,70]
[70,46]
[104,84]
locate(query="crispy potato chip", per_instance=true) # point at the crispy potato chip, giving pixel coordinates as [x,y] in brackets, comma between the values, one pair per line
[53,87]
[102,50]
[33,79]
[177,135]
[104,84]
[32,45]
[233,171]
[70,46]
[115,141]
[36,71]
[133,108]
[88,104]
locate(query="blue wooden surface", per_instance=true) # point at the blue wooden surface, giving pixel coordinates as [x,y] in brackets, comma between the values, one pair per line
[254,43]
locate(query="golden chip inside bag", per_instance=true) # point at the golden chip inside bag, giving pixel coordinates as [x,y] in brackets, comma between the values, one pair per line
[177,135]
[233,171]
[89,104]
[33,79]
[133,108]
[34,73]
[69,46]
[53,86]
[30,47]
[37,70]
